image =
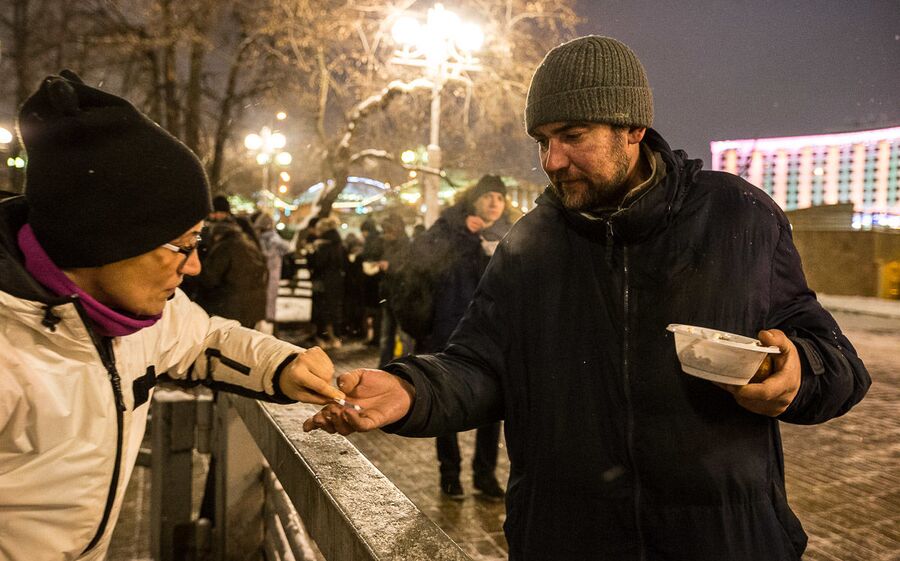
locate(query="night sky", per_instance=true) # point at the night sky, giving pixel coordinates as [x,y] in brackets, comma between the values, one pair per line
[729,69]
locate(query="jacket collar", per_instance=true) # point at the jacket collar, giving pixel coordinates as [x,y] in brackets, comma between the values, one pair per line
[14,279]
[648,213]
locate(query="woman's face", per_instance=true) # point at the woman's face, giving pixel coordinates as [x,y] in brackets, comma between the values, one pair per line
[141,285]
[490,206]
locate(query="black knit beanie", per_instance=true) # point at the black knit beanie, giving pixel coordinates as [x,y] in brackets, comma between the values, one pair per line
[487,184]
[594,79]
[220,204]
[104,182]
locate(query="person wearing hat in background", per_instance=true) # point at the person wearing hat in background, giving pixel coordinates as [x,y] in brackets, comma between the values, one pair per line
[372,253]
[396,245]
[326,260]
[234,278]
[274,248]
[90,314]
[430,293]
[614,452]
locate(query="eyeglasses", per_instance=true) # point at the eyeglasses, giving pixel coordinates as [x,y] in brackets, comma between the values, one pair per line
[184,250]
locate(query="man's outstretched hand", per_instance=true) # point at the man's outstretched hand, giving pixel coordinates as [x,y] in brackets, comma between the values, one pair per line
[774,386]
[383,397]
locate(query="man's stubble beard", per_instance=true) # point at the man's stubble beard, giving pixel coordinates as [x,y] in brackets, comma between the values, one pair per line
[596,194]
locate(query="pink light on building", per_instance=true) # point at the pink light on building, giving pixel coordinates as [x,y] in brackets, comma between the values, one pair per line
[755,173]
[731,161]
[881,176]
[779,192]
[804,179]
[799,171]
[794,143]
[857,175]
[832,169]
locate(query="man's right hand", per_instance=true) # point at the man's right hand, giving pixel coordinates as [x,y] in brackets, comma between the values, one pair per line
[383,397]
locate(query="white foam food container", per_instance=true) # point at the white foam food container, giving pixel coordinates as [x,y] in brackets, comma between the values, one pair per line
[718,355]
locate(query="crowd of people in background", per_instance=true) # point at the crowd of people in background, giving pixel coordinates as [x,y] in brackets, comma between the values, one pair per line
[382,287]
[358,287]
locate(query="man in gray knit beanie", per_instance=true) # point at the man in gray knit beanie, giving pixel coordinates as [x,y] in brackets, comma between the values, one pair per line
[596,79]
[615,451]
[592,88]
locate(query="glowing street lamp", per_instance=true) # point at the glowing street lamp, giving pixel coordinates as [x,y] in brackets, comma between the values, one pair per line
[268,146]
[444,46]
[408,157]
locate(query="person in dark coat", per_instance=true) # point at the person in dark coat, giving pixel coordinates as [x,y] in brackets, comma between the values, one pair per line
[372,253]
[444,266]
[326,267]
[615,452]
[354,313]
[395,247]
[233,280]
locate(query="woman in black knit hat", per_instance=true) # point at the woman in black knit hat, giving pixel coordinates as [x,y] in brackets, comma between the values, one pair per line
[91,313]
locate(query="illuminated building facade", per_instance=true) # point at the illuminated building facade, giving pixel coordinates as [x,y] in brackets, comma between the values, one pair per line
[862,168]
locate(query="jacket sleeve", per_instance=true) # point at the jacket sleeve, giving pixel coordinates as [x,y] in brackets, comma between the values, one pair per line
[834,378]
[460,388]
[219,353]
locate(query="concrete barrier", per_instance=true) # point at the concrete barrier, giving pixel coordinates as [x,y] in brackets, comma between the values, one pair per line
[351,510]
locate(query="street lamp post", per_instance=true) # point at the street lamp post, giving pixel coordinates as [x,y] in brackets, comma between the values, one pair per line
[444,46]
[268,145]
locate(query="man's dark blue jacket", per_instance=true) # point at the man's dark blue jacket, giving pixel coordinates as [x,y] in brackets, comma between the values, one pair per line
[615,453]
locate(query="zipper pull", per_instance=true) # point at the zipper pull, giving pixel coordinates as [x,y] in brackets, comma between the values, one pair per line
[116,382]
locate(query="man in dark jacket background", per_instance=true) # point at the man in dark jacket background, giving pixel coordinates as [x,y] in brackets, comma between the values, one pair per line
[443,269]
[615,453]
[395,245]
[234,277]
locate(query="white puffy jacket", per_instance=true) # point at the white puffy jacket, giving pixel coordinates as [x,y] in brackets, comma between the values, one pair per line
[72,419]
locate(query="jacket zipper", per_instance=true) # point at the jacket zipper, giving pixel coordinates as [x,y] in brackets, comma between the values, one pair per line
[108,358]
[629,431]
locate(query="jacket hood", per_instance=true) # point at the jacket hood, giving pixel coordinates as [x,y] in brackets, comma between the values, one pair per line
[650,212]
[14,279]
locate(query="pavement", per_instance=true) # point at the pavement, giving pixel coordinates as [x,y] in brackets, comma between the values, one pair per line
[877,307]
[842,477]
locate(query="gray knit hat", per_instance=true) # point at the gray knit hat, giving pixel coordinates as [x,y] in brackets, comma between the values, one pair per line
[592,78]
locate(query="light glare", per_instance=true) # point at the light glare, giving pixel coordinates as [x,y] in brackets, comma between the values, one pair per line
[253,141]
[406,31]
[470,38]
[278,140]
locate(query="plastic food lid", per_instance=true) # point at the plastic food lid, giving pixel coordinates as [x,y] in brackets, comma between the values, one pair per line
[722,338]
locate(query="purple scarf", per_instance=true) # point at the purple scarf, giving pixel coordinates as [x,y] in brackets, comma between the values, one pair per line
[106,321]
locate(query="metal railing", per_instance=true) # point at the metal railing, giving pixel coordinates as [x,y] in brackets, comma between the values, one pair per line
[351,510]
[278,489]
